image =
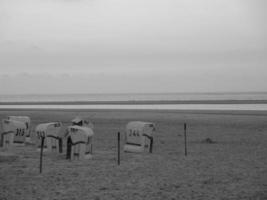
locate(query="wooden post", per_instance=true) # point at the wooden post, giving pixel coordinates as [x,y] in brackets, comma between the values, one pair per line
[60,145]
[119,138]
[2,140]
[185,140]
[41,154]
[151,145]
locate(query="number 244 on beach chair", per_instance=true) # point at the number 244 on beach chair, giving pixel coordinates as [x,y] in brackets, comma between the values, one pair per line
[139,136]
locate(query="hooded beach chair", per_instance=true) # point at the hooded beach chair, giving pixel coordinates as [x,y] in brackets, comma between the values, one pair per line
[24,119]
[79,142]
[14,132]
[50,133]
[139,137]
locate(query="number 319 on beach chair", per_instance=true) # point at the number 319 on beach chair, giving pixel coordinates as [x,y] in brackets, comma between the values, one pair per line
[14,133]
[27,121]
[139,137]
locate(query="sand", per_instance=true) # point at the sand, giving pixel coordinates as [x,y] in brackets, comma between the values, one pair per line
[232,166]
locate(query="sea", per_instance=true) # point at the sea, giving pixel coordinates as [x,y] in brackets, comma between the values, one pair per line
[47,100]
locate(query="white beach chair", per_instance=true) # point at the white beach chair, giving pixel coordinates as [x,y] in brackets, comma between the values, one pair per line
[7,136]
[79,142]
[50,133]
[139,137]
[14,133]
[27,121]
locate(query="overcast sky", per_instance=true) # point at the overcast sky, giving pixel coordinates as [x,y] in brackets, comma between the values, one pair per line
[91,46]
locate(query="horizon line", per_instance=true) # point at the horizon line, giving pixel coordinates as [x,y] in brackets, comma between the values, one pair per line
[138,93]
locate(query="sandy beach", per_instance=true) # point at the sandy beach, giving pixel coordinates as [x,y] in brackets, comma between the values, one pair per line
[232,166]
[78,72]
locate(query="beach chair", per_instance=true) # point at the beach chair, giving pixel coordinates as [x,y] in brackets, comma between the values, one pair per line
[7,136]
[26,120]
[14,133]
[50,133]
[79,142]
[139,137]
[77,121]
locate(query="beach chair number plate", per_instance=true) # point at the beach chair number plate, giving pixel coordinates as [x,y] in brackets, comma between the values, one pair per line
[20,132]
[57,125]
[134,133]
[41,134]
[74,130]
[134,137]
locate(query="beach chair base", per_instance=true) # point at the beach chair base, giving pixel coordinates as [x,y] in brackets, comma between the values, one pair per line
[18,144]
[133,149]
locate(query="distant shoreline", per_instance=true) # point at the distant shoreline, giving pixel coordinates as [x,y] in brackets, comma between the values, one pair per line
[150,102]
[26,111]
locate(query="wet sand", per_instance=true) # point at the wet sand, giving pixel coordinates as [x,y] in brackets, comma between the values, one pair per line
[233,167]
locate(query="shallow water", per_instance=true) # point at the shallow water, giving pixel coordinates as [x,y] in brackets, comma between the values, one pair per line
[252,107]
[135,97]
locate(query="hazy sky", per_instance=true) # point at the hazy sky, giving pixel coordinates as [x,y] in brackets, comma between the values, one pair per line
[84,46]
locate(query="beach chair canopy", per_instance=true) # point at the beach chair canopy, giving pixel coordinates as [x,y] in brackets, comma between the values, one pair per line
[78,121]
[24,119]
[13,125]
[138,128]
[49,129]
[79,134]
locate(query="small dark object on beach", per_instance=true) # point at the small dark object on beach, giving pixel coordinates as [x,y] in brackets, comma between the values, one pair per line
[209,141]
